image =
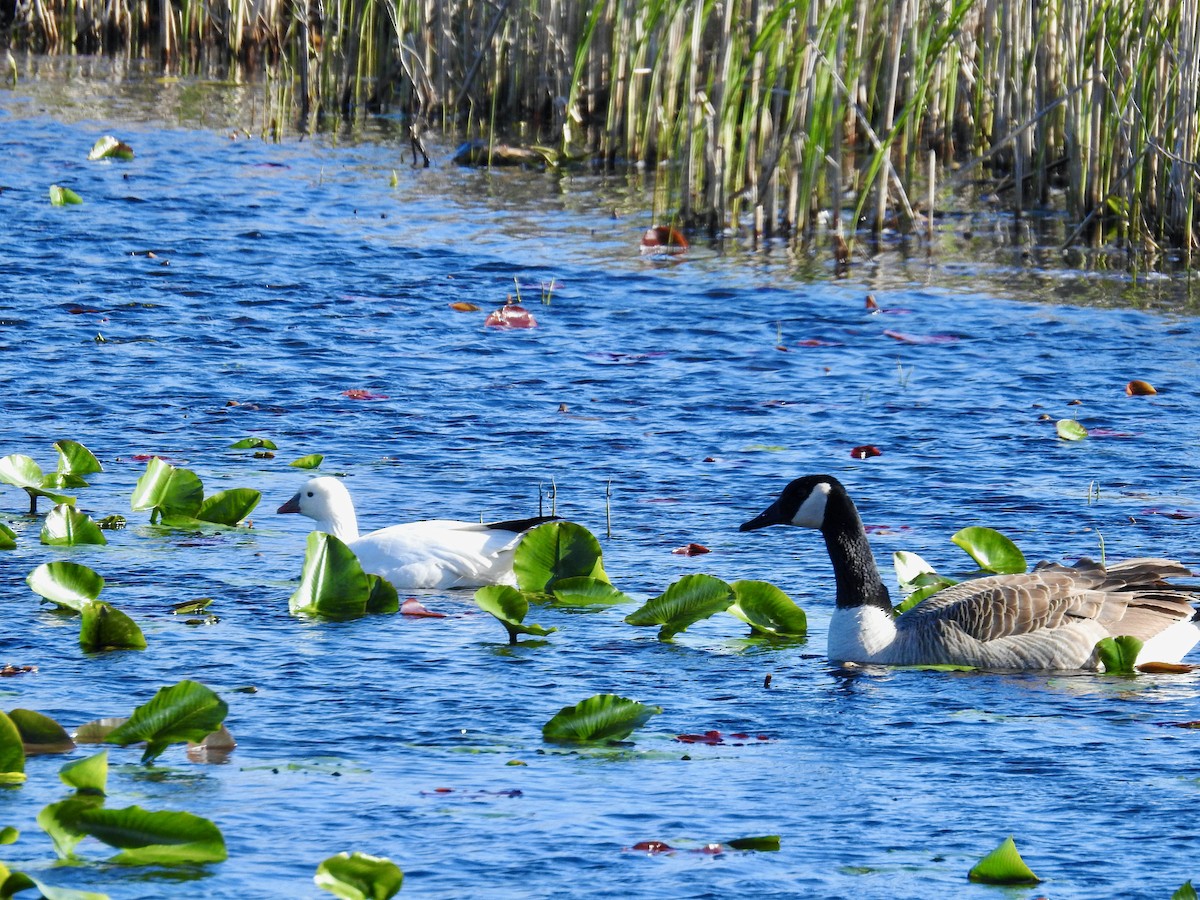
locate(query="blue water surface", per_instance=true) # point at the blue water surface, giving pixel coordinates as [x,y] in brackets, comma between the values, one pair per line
[218,286]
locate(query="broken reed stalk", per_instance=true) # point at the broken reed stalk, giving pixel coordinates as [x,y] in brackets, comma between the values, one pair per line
[758,115]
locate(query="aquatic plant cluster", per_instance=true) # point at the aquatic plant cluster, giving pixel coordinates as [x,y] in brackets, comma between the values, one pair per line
[763,118]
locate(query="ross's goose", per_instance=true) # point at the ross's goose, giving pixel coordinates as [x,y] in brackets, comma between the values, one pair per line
[435,553]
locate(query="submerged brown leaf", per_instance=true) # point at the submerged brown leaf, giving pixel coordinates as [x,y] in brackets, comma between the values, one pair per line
[511,315]
[692,549]
[1138,388]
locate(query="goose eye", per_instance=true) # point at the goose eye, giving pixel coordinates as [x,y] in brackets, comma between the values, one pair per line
[310,493]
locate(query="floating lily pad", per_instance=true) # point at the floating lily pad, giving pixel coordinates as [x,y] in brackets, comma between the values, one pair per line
[65,526]
[20,881]
[334,585]
[509,606]
[767,609]
[587,591]
[88,775]
[604,717]
[108,147]
[312,461]
[104,627]
[1070,430]
[556,550]
[95,731]
[1003,866]
[40,733]
[1119,654]
[66,583]
[63,196]
[23,472]
[688,600]
[229,507]
[8,538]
[765,842]
[12,752]
[991,550]
[155,838]
[254,443]
[187,711]
[61,821]
[358,876]
[166,490]
[76,459]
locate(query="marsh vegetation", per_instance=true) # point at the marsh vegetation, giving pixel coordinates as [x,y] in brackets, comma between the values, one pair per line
[803,120]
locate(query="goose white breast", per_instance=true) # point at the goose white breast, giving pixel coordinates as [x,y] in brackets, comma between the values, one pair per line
[1048,619]
[433,553]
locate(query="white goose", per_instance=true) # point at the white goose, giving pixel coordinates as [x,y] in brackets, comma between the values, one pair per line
[1047,619]
[435,553]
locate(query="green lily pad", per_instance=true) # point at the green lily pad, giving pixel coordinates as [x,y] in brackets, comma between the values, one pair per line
[312,461]
[358,876]
[767,609]
[604,717]
[97,730]
[76,459]
[88,775]
[334,585]
[254,443]
[1070,430]
[40,733]
[584,590]
[166,490]
[909,567]
[688,600]
[187,711]
[765,842]
[66,583]
[65,526]
[991,550]
[383,597]
[8,835]
[228,507]
[556,550]
[12,752]
[16,881]
[509,606]
[8,538]
[104,627]
[23,472]
[1003,866]
[1185,891]
[926,585]
[156,838]
[108,147]
[61,821]
[63,196]
[1119,654]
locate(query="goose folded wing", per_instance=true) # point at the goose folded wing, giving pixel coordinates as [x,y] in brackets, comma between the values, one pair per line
[1001,606]
[1051,597]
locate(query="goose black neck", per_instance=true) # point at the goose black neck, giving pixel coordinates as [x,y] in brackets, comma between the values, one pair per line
[854,569]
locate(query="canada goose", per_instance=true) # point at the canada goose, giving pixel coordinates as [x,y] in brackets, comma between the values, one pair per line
[1047,619]
[435,553]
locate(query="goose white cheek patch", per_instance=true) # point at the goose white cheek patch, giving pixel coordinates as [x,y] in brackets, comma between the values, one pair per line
[811,513]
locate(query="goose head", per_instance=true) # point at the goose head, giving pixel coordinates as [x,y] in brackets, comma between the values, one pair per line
[326,501]
[802,503]
[821,502]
